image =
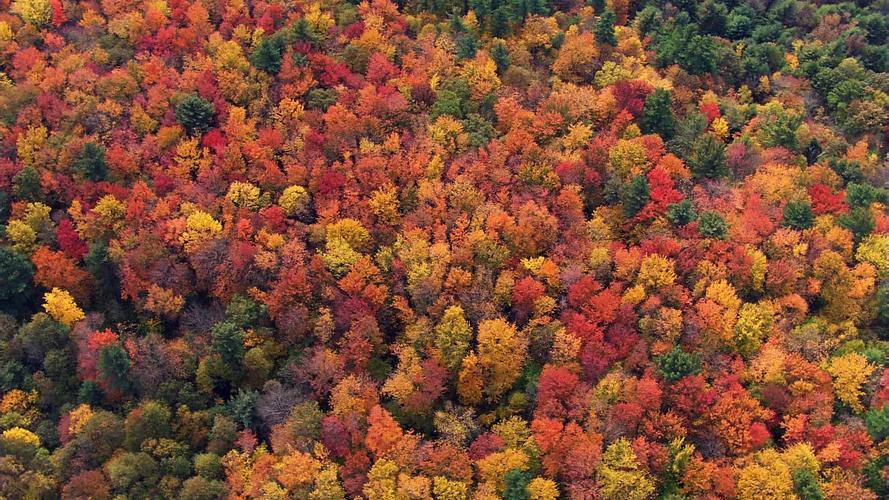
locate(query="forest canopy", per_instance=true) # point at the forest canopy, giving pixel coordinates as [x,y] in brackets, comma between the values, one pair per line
[474,250]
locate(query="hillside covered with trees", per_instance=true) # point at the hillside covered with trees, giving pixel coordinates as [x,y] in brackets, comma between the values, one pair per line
[460,250]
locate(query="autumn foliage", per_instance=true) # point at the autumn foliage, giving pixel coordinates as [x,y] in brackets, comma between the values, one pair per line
[517,249]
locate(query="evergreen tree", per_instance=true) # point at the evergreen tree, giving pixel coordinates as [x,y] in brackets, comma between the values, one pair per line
[798,214]
[676,364]
[16,272]
[635,195]
[712,225]
[90,162]
[657,115]
[501,57]
[195,114]
[268,54]
[707,159]
[605,28]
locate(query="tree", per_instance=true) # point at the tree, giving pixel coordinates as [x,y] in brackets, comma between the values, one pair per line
[798,214]
[707,158]
[676,364]
[499,359]
[452,336]
[620,475]
[680,214]
[605,28]
[16,272]
[767,477]
[268,54]
[34,12]
[228,342]
[516,485]
[501,56]
[850,372]
[635,196]
[114,367]
[91,163]
[61,306]
[712,225]
[195,114]
[657,115]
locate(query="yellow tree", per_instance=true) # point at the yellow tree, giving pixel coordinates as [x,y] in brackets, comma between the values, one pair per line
[620,475]
[61,306]
[849,373]
[499,358]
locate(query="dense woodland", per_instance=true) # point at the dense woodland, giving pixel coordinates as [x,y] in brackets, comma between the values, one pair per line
[461,250]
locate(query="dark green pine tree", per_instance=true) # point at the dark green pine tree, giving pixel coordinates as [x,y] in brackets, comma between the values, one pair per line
[635,196]
[657,115]
[195,114]
[605,28]
[90,162]
[707,159]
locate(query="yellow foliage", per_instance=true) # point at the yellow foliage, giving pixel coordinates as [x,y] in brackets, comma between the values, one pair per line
[768,477]
[384,204]
[352,232]
[35,12]
[628,158]
[481,76]
[199,227]
[446,489]
[18,437]
[849,373]
[294,200]
[874,249]
[633,295]
[758,268]
[753,325]
[493,468]
[656,271]
[29,144]
[22,236]
[577,57]
[723,293]
[297,469]
[514,431]
[542,489]
[243,195]
[61,306]
[448,133]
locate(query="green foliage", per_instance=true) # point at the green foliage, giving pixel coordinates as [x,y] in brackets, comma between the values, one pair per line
[195,114]
[681,213]
[657,115]
[501,57]
[877,420]
[798,214]
[16,272]
[707,159]
[676,364]
[516,485]
[605,28]
[268,54]
[635,196]
[683,45]
[90,162]
[26,184]
[859,220]
[453,98]
[712,225]
[806,485]
[862,195]
[228,342]
[114,365]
